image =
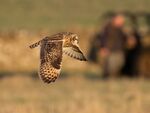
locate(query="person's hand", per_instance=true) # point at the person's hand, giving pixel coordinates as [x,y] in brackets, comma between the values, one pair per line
[104,52]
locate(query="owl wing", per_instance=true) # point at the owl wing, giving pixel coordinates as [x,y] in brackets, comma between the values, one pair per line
[74,52]
[50,60]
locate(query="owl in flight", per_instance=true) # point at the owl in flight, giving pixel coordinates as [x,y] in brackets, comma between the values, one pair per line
[51,52]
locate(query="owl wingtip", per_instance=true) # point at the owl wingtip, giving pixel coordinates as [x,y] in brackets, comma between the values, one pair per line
[85,59]
[30,47]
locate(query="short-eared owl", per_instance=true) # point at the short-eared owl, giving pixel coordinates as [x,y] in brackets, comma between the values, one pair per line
[51,52]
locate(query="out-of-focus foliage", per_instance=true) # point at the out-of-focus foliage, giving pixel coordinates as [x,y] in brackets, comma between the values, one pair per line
[36,14]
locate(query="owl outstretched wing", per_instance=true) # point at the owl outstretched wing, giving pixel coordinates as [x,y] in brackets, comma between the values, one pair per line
[74,52]
[50,59]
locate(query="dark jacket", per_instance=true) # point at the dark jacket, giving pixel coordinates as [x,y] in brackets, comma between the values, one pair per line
[113,38]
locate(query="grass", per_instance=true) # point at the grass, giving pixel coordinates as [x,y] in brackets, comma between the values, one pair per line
[56,14]
[76,94]
[16,56]
[22,94]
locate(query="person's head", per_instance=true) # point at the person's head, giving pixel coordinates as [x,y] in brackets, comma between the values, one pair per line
[118,20]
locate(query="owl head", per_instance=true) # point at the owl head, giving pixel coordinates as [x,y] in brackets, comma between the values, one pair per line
[71,38]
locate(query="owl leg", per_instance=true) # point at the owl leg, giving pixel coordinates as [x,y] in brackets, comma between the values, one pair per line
[35,45]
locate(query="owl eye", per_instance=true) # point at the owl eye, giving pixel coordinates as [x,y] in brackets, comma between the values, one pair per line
[75,38]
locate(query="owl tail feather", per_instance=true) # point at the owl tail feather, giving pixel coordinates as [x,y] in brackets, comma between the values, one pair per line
[35,45]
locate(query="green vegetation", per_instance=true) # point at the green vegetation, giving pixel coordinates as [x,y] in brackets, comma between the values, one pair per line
[57,14]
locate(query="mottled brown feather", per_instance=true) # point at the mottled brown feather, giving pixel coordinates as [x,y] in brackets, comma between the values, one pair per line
[51,51]
[51,58]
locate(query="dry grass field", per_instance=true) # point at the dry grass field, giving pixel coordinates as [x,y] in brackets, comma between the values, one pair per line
[23,94]
[79,89]
[16,55]
[79,92]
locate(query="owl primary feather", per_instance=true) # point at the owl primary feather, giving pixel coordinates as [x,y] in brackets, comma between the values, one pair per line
[51,52]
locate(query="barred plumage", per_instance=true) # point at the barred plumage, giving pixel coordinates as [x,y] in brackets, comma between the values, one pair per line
[35,44]
[52,49]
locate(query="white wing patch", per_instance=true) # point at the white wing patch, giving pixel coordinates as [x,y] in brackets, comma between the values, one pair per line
[76,43]
[74,54]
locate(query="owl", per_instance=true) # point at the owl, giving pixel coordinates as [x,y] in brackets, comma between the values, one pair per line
[52,49]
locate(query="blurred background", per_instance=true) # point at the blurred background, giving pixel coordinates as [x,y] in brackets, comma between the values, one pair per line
[114,36]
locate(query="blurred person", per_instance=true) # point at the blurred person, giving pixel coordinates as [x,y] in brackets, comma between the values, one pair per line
[94,48]
[132,54]
[112,46]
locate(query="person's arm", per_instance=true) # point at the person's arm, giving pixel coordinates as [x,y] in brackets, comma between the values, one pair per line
[103,51]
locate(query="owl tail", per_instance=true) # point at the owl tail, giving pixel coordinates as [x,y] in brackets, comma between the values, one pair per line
[35,45]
